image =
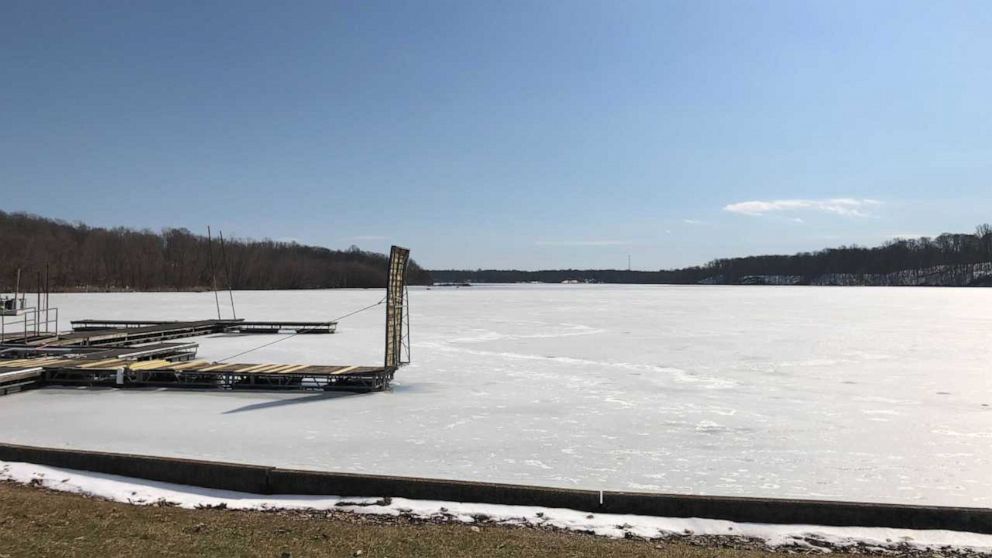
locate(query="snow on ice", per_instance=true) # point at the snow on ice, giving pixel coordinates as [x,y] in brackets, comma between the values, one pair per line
[874,394]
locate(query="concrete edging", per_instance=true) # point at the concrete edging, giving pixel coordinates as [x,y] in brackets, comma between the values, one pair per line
[271,480]
[207,474]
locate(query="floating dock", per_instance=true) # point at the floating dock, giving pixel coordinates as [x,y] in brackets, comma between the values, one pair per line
[132,332]
[237,325]
[121,372]
[137,353]
[167,351]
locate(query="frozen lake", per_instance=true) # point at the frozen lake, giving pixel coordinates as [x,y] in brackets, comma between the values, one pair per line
[881,394]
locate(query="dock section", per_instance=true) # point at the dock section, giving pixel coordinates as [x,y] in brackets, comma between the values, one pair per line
[132,332]
[141,353]
[120,372]
[220,326]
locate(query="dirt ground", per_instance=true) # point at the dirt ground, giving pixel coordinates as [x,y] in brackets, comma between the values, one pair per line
[39,522]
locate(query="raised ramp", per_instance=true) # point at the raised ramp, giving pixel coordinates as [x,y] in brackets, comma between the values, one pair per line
[397,328]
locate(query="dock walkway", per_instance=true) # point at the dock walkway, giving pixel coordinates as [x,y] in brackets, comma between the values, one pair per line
[120,372]
[132,332]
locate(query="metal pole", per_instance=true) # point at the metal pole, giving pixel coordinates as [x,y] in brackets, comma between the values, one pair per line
[213,274]
[227,267]
[47,292]
[406,316]
[37,306]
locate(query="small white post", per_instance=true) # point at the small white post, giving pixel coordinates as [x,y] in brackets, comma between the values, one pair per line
[120,382]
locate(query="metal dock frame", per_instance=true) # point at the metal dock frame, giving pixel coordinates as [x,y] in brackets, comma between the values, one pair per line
[397,330]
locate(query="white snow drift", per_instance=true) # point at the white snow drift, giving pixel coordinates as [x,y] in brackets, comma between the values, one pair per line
[811,537]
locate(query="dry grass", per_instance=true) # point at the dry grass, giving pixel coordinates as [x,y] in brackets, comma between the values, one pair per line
[37,522]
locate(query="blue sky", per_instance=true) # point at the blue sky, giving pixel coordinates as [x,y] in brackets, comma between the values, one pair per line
[504,134]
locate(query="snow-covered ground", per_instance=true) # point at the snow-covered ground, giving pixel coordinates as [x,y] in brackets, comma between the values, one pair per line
[875,394]
[801,537]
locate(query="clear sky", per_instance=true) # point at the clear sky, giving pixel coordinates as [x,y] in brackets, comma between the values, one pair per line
[504,134]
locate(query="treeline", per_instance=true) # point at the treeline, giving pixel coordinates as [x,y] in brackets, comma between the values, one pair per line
[685,276]
[806,268]
[78,257]
[893,256]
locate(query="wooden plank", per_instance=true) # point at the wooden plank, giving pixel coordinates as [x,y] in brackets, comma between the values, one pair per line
[16,375]
[150,365]
[32,361]
[108,363]
[190,364]
[269,369]
[212,368]
[11,363]
[253,367]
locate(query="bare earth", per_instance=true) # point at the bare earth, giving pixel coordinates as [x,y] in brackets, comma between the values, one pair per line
[39,522]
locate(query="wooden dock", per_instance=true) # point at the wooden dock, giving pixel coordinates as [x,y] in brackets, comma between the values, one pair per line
[166,351]
[120,372]
[137,353]
[105,325]
[132,332]
[122,337]
[235,325]
[283,326]
[15,379]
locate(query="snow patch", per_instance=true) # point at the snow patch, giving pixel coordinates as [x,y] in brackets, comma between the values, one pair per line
[141,492]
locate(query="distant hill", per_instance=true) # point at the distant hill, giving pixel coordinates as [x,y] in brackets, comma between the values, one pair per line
[947,260]
[79,257]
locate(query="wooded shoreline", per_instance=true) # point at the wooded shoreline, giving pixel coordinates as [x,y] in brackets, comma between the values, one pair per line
[72,257]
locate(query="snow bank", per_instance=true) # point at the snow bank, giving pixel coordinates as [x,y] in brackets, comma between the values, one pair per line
[813,537]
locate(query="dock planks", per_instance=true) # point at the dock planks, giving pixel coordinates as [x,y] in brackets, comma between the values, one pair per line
[234,325]
[121,372]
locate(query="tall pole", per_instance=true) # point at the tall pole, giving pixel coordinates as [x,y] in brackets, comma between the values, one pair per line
[213,275]
[37,306]
[47,286]
[227,267]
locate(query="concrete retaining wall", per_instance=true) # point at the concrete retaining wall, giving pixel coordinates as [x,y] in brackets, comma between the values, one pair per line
[208,474]
[271,480]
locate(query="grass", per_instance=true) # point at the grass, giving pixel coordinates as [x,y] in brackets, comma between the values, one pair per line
[39,522]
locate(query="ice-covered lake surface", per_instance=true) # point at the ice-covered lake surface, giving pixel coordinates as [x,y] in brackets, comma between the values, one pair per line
[871,394]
